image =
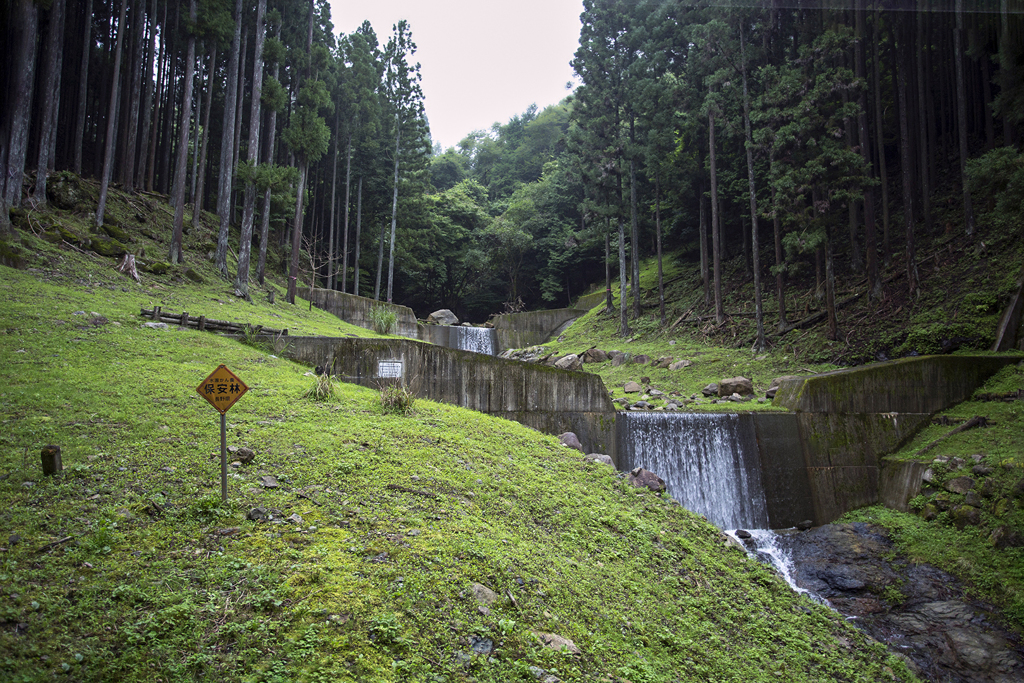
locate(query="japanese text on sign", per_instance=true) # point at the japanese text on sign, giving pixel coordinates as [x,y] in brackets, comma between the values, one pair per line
[389,369]
[222,388]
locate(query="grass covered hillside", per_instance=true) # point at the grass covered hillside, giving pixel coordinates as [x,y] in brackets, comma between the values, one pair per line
[433,545]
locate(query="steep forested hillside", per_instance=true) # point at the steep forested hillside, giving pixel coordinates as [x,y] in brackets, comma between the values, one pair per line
[841,143]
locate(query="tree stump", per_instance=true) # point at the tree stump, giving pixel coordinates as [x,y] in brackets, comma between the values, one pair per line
[51,460]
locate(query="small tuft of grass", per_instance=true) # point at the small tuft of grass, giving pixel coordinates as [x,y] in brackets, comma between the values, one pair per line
[323,389]
[396,399]
[383,319]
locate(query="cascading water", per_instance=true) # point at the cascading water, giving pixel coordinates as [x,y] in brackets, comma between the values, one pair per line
[763,545]
[476,339]
[709,462]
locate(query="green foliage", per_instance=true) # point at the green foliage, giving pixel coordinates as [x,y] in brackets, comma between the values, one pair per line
[997,181]
[396,399]
[273,97]
[384,319]
[322,389]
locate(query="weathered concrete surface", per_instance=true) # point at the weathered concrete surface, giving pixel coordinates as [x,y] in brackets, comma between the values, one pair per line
[516,330]
[926,384]
[787,487]
[899,482]
[1009,329]
[848,420]
[545,398]
[588,301]
[356,309]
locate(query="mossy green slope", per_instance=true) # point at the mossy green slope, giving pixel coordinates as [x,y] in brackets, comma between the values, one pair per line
[127,567]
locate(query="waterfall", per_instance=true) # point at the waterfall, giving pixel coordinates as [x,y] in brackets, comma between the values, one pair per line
[476,339]
[709,462]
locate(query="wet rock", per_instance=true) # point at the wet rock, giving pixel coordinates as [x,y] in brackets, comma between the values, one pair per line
[735,385]
[973,498]
[710,390]
[595,356]
[989,488]
[642,478]
[245,455]
[742,534]
[269,482]
[981,471]
[443,317]
[571,440]
[916,609]
[481,646]
[929,512]
[805,525]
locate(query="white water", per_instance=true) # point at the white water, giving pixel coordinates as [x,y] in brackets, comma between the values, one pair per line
[476,339]
[709,462]
[763,546]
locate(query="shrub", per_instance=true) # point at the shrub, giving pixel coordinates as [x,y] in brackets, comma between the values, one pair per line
[396,399]
[322,390]
[383,319]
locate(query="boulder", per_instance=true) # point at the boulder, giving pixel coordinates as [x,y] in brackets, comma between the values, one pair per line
[558,643]
[107,247]
[642,359]
[442,317]
[599,457]
[642,478]
[710,390]
[483,594]
[632,388]
[570,362]
[774,386]
[663,363]
[1005,537]
[959,485]
[595,356]
[618,359]
[571,440]
[680,364]
[965,515]
[64,191]
[735,385]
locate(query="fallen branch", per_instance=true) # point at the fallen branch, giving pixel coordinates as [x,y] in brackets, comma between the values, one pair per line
[54,544]
[976,421]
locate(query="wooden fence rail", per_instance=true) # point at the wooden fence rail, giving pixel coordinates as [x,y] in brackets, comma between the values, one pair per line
[202,323]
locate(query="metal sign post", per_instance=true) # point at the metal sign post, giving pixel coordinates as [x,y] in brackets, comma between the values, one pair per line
[222,389]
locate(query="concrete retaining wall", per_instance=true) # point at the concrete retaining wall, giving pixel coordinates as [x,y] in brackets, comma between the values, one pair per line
[545,398]
[848,420]
[588,301]
[516,330]
[356,309]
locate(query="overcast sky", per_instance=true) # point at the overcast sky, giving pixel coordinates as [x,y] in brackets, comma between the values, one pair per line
[482,61]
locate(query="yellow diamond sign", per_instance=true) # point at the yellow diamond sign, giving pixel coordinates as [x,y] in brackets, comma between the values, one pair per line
[222,388]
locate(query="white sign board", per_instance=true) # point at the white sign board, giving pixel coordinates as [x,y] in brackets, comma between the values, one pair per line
[388,369]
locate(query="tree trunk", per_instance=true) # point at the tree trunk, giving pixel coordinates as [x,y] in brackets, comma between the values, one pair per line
[359,229]
[394,209]
[380,261]
[780,284]
[161,86]
[147,99]
[830,286]
[83,88]
[227,155]
[176,254]
[51,96]
[138,31]
[236,149]
[332,220]
[703,222]
[961,109]
[759,344]
[657,233]
[634,233]
[293,270]
[870,239]
[344,238]
[905,165]
[249,207]
[1007,67]
[883,172]
[261,266]
[108,154]
[922,124]
[609,303]
[19,107]
[197,209]
[716,241]
[623,301]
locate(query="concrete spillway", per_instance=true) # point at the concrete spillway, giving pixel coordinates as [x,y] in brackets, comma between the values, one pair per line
[475,339]
[709,462]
